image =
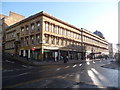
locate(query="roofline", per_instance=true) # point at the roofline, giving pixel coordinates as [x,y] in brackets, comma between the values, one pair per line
[52,17]
[40,14]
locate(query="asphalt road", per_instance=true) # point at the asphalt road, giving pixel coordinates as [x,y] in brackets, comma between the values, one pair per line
[88,74]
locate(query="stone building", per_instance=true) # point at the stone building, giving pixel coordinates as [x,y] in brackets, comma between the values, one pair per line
[45,37]
[6,21]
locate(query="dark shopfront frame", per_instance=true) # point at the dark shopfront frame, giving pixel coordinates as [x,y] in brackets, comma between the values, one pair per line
[49,55]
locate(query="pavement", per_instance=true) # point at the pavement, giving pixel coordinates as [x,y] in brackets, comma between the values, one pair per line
[38,63]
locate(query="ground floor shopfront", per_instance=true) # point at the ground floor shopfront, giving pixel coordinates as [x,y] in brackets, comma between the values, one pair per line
[51,55]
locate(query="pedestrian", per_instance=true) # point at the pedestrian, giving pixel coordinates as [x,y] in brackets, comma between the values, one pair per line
[65,59]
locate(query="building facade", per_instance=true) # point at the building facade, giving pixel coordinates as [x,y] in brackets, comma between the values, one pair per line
[110,48]
[6,21]
[45,37]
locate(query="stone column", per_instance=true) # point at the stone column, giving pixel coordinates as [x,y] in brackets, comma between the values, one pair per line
[58,54]
[20,52]
[29,53]
[42,54]
[23,52]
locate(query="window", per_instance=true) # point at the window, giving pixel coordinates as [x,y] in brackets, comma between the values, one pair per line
[62,42]
[46,27]
[61,31]
[46,39]
[32,26]
[65,32]
[65,42]
[22,41]
[27,28]
[57,30]
[14,34]
[22,29]
[53,40]
[38,23]
[32,40]
[38,39]
[27,41]
[57,41]
[72,34]
[53,28]
[68,33]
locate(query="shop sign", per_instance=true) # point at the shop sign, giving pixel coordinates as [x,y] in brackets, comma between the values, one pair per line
[33,49]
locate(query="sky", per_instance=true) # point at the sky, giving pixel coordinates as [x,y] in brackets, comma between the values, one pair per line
[101,16]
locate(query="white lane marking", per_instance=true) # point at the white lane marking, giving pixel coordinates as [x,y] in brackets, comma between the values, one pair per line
[58,69]
[24,66]
[67,66]
[88,63]
[75,65]
[93,61]
[21,74]
[9,61]
[80,64]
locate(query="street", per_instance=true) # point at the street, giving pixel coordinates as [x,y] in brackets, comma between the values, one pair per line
[88,74]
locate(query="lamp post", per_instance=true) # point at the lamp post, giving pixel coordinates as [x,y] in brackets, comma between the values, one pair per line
[82,44]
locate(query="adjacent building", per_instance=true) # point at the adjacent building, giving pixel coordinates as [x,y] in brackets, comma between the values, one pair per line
[110,48]
[6,21]
[45,37]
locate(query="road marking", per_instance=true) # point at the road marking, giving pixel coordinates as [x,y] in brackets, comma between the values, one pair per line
[21,74]
[88,63]
[58,69]
[75,65]
[93,61]
[24,66]
[67,66]
[9,61]
[80,64]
